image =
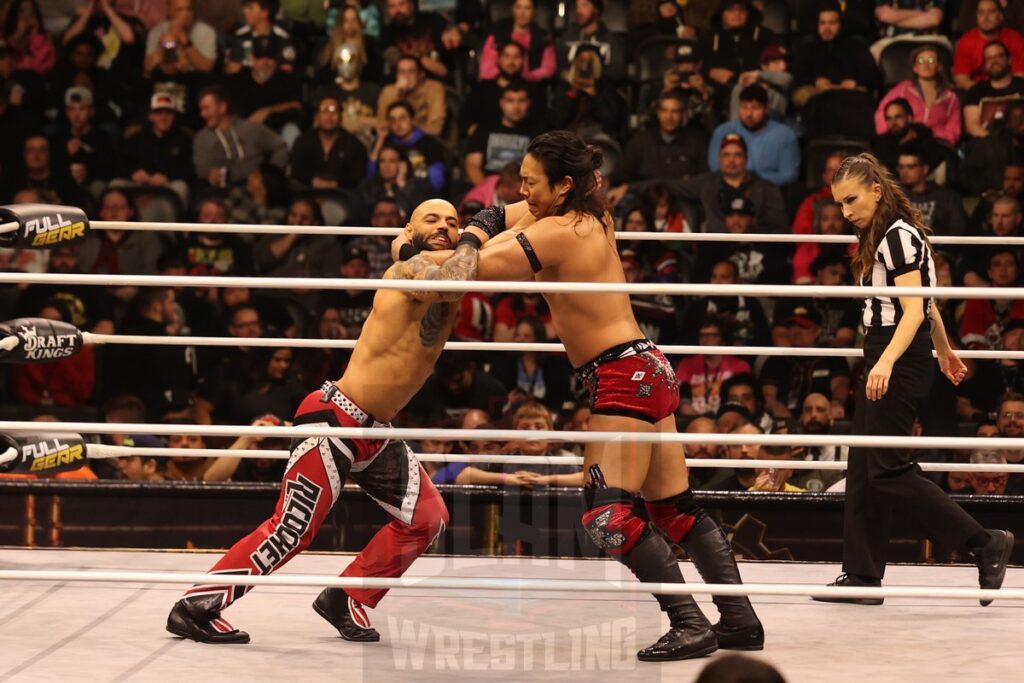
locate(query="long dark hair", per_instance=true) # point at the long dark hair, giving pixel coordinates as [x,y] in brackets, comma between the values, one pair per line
[540,333]
[893,205]
[564,154]
[14,13]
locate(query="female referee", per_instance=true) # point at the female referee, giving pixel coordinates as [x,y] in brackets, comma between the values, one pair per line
[893,250]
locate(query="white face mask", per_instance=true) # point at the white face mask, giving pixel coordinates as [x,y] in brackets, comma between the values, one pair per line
[348,71]
[348,66]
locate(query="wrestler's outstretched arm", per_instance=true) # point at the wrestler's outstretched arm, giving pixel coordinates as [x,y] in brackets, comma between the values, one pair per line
[493,220]
[539,246]
[460,265]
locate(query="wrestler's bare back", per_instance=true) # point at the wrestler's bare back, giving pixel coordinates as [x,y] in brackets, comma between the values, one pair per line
[570,251]
[395,354]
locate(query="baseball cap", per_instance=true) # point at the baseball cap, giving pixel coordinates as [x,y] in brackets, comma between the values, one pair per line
[804,316]
[687,52]
[78,94]
[733,139]
[830,257]
[144,441]
[354,254]
[175,400]
[773,52]
[629,255]
[162,100]
[739,205]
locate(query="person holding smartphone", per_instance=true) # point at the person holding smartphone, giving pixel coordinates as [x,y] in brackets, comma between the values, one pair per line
[181,44]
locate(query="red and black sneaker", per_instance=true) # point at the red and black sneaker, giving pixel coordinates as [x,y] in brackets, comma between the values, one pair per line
[345,614]
[191,619]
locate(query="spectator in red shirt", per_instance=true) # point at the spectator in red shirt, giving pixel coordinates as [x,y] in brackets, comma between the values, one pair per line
[984,319]
[702,376]
[828,220]
[476,318]
[968,64]
[803,222]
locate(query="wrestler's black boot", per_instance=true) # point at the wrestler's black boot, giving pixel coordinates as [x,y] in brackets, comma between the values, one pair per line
[690,634]
[738,628]
[346,615]
[199,619]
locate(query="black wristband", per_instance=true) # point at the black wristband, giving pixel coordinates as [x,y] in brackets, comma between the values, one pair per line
[407,251]
[470,239]
[491,220]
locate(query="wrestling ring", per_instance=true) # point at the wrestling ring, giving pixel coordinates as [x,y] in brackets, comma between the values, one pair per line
[80,614]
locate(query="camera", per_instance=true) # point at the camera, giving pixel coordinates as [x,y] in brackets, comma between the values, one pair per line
[170,51]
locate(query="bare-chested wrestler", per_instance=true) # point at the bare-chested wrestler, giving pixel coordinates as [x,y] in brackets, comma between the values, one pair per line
[400,342]
[563,233]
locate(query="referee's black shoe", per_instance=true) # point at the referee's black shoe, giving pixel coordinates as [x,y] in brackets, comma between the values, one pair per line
[992,559]
[851,581]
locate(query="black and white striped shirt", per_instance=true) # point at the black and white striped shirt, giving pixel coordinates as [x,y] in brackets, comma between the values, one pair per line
[902,250]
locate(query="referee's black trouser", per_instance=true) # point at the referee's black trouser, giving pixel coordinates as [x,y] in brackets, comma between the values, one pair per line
[881,479]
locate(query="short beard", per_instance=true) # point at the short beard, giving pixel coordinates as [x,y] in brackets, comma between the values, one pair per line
[815,427]
[420,242]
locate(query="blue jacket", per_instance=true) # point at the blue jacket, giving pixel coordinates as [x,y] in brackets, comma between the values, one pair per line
[772,152]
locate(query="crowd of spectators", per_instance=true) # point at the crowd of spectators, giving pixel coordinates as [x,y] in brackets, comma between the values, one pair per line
[714,115]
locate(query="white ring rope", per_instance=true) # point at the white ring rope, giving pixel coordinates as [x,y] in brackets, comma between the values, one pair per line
[100,451]
[802,291]
[669,349]
[384,433]
[510,584]
[646,236]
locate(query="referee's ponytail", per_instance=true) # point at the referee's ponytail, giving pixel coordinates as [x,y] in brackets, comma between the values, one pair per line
[892,206]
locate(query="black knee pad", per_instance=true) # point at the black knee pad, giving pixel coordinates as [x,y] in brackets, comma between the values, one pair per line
[686,504]
[598,496]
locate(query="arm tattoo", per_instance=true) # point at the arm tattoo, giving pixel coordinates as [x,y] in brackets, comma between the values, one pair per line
[461,265]
[413,269]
